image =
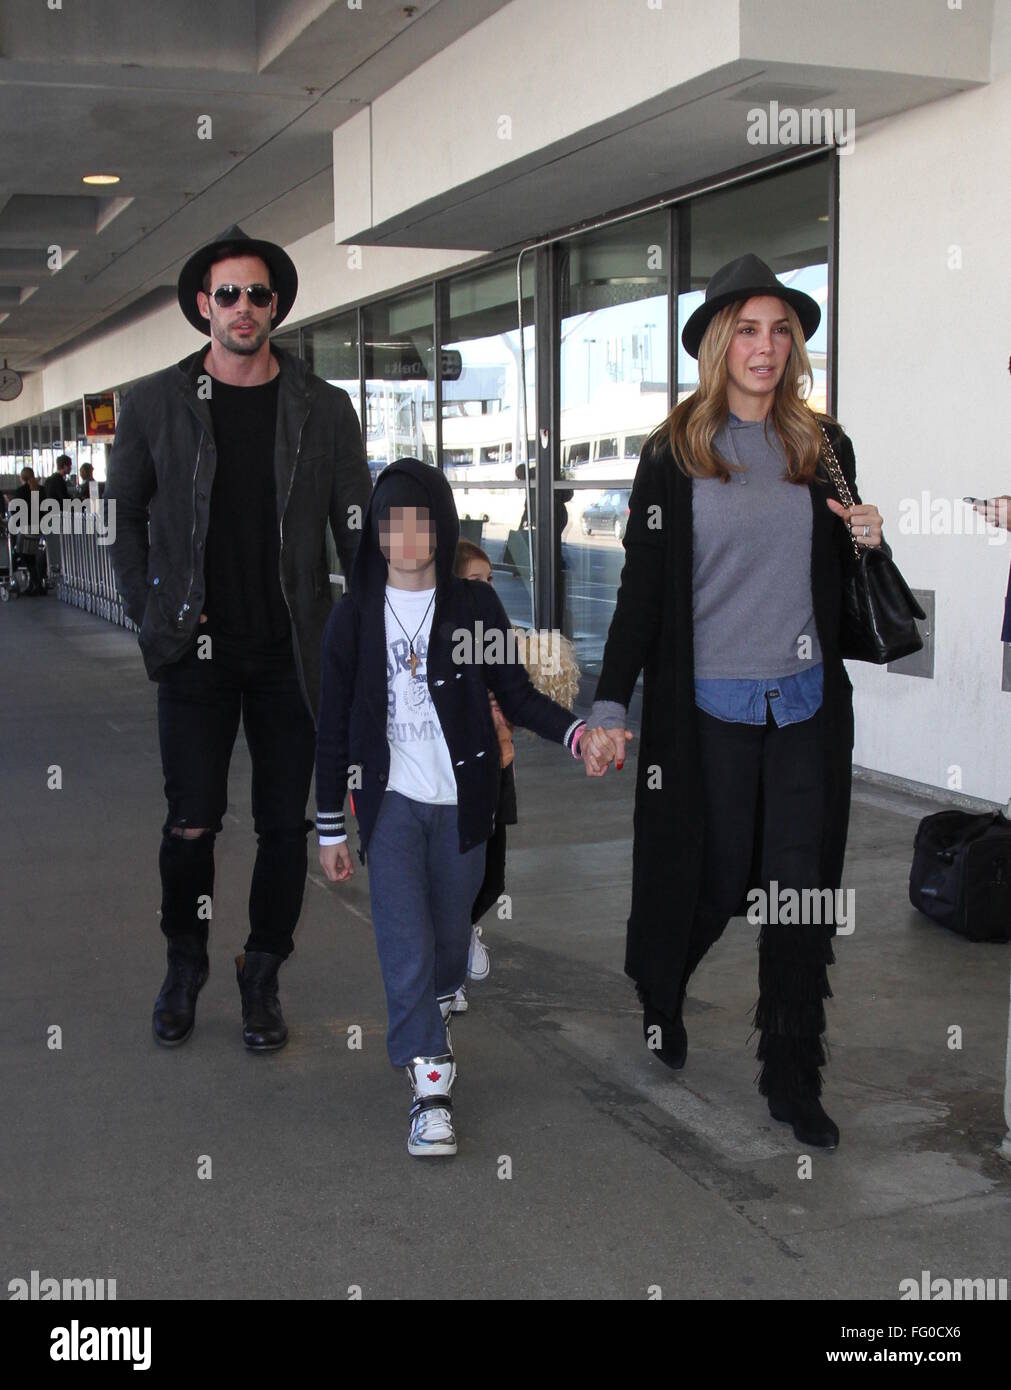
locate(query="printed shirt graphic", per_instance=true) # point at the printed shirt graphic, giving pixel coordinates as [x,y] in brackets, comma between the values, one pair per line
[420,765]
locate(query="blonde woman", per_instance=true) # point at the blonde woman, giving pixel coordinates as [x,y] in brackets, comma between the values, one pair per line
[729,604]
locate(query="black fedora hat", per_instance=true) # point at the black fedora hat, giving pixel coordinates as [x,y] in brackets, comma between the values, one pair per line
[235,242]
[744,279]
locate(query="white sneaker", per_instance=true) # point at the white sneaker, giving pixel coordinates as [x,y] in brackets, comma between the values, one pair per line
[460,1003]
[432,1134]
[479,961]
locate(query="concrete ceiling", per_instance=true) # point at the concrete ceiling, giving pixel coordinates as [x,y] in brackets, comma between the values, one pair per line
[120,86]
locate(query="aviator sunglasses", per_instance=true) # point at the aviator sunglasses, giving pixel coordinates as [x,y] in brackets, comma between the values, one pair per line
[227,295]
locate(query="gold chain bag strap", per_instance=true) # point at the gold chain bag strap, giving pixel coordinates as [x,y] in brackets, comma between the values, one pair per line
[879,613]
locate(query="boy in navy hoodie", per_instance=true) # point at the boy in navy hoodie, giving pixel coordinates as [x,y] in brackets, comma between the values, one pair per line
[409,655]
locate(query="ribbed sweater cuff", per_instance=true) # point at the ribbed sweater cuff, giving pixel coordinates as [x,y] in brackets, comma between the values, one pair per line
[607,714]
[330,827]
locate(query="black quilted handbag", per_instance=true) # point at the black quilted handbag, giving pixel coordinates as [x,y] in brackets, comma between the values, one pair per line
[879,612]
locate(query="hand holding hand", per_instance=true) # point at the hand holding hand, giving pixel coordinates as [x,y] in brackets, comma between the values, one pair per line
[599,747]
[335,861]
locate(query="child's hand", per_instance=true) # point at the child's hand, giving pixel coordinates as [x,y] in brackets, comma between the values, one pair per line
[335,861]
[498,718]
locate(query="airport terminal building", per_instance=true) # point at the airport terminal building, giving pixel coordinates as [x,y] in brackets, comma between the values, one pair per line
[583,168]
[502,214]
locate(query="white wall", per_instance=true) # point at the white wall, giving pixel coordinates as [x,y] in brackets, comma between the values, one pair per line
[925,395]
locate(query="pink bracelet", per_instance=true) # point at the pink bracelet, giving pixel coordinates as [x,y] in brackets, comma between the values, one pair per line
[576,739]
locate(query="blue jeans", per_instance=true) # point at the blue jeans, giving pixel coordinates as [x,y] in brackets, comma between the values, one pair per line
[421,889]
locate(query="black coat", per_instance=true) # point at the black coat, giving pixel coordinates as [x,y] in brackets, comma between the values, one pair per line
[162,470]
[651,632]
[353,692]
[56,489]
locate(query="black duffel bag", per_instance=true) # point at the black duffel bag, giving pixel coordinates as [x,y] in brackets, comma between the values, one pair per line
[961,874]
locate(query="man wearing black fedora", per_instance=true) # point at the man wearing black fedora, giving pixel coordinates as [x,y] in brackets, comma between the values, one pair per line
[225,471]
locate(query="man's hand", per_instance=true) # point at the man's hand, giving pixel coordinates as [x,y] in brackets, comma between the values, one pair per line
[335,861]
[600,747]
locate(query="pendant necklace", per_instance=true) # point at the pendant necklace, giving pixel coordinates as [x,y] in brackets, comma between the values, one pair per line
[414,658]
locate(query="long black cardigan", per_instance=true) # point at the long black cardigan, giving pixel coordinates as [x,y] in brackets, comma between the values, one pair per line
[651,631]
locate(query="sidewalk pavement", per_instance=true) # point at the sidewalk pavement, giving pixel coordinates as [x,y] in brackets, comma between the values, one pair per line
[586,1169]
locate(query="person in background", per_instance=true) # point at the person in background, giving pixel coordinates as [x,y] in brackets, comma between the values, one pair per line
[27,547]
[472,563]
[87,477]
[57,488]
[997,512]
[29,484]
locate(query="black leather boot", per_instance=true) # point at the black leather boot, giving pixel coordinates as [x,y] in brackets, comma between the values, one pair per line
[263,1026]
[176,1005]
[672,1036]
[810,1123]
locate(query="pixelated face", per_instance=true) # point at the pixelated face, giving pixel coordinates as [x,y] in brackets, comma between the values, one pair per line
[407,537]
[478,569]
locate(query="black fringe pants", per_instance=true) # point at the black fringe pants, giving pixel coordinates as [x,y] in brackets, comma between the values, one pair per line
[778,771]
[793,985]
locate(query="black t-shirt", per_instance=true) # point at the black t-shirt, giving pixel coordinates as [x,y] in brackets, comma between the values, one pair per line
[246,611]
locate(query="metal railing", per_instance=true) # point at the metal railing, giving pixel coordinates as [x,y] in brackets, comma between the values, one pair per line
[86,580]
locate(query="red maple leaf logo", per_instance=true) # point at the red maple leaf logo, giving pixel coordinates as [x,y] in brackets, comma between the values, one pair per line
[433,1075]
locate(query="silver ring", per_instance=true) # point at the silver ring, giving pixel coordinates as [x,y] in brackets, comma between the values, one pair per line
[867,530]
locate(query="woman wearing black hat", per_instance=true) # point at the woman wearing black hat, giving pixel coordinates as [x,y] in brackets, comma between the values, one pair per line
[729,604]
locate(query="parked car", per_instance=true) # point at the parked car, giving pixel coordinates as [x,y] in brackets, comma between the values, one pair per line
[608,513]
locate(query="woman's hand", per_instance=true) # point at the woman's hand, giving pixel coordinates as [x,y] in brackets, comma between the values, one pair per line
[864,521]
[996,510]
[335,861]
[598,748]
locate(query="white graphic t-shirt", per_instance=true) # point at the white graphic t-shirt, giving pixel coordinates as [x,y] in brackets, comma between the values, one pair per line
[420,765]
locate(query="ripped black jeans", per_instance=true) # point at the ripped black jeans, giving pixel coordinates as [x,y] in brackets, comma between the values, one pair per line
[200,703]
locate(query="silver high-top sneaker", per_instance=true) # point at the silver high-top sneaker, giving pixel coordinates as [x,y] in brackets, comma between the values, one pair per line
[431,1116]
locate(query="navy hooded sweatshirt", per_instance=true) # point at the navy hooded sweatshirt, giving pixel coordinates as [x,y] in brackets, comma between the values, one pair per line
[353,684]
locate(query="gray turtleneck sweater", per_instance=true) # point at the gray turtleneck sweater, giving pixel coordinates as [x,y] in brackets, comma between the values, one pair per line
[751,540]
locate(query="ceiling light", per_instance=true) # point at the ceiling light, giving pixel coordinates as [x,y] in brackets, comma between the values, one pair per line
[100,178]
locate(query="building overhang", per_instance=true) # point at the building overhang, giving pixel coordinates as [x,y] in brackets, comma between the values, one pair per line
[542,117]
